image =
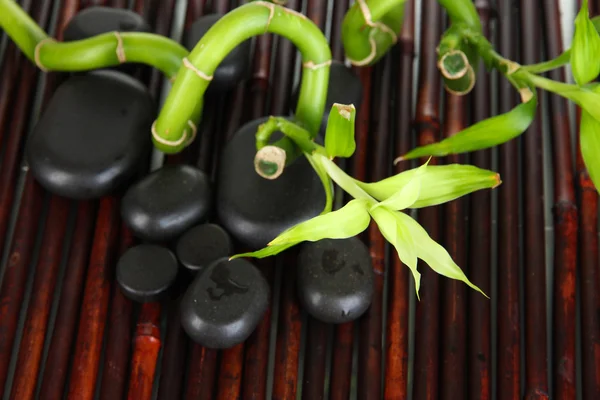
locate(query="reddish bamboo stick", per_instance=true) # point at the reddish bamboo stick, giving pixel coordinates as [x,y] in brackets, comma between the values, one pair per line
[288,334]
[15,272]
[479,328]
[565,221]
[20,108]
[427,119]
[173,359]
[57,363]
[202,373]
[118,338]
[162,26]
[94,308]
[369,350]
[508,314]
[46,272]
[590,298]
[146,346]
[220,6]
[340,8]
[396,371]
[454,351]
[230,374]
[536,357]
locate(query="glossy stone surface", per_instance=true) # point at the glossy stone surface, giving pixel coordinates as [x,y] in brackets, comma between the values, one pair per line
[202,245]
[94,135]
[223,305]
[255,210]
[167,202]
[344,88]
[146,272]
[335,279]
[97,20]
[234,67]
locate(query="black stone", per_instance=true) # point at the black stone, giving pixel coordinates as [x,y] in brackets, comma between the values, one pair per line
[97,20]
[167,202]
[223,305]
[335,279]
[146,272]
[202,245]
[235,66]
[344,87]
[255,210]
[94,136]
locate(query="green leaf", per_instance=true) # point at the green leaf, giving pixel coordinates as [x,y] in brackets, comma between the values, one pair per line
[433,253]
[589,130]
[439,183]
[482,135]
[408,194]
[327,184]
[585,50]
[400,238]
[266,252]
[339,138]
[346,182]
[346,222]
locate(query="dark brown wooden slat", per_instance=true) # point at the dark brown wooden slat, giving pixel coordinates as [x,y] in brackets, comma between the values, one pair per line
[340,7]
[536,354]
[230,373]
[480,245]
[427,322]
[202,373]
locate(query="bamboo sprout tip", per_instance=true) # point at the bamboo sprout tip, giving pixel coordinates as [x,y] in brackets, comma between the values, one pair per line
[498,181]
[398,160]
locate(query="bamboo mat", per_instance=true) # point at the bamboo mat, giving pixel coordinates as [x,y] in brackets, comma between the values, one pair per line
[66,330]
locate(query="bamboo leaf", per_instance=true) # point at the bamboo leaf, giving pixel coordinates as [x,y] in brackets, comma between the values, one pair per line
[346,182]
[585,50]
[432,253]
[346,222]
[265,252]
[339,137]
[439,183]
[400,238]
[589,130]
[327,184]
[482,135]
[408,194]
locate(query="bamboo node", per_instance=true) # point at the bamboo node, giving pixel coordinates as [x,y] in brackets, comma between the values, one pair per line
[271,8]
[367,59]
[293,12]
[167,142]
[120,48]
[313,66]
[193,135]
[36,53]
[199,73]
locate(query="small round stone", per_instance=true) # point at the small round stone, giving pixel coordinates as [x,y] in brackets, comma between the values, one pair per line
[202,245]
[97,20]
[235,66]
[254,210]
[344,87]
[167,202]
[335,279]
[225,303]
[146,272]
[93,137]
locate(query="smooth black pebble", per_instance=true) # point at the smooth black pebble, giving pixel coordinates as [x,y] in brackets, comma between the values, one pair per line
[255,210]
[235,66]
[223,305]
[94,135]
[344,87]
[167,202]
[97,20]
[335,279]
[202,245]
[146,272]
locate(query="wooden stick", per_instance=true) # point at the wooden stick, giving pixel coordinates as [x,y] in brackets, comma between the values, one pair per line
[565,221]
[508,314]
[454,344]
[57,363]
[202,373]
[174,356]
[38,312]
[396,371]
[313,386]
[230,374]
[480,247]
[118,337]
[92,320]
[340,8]
[146,346]
[536,355]
[426,365]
